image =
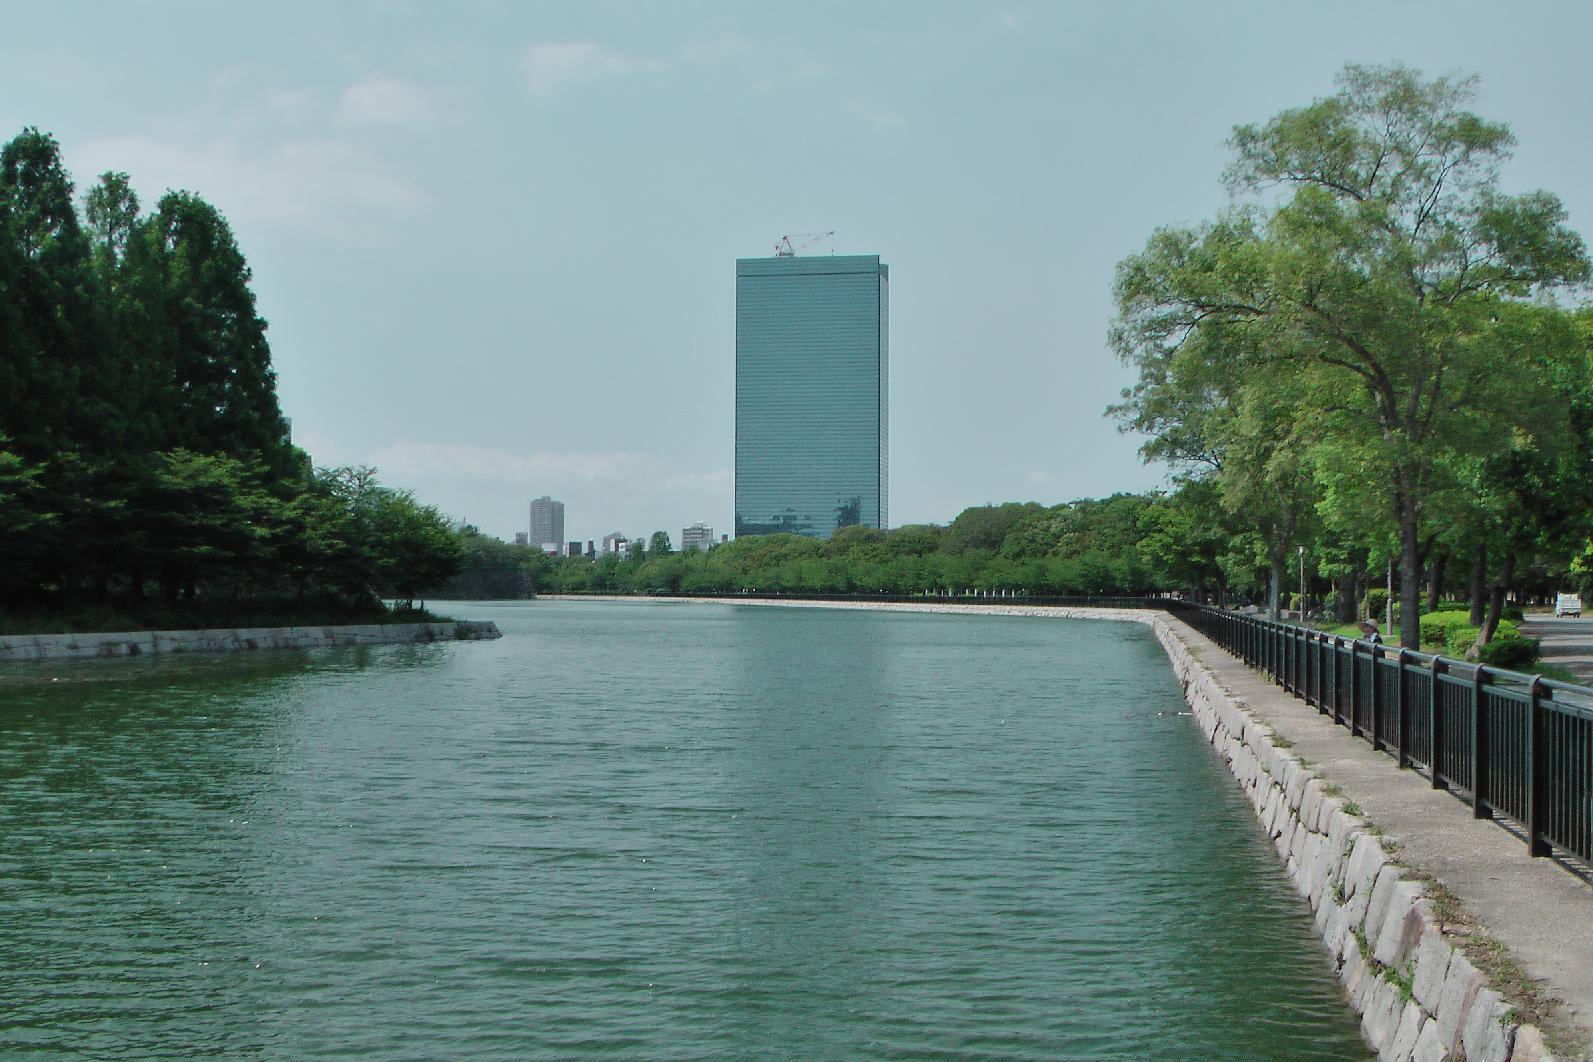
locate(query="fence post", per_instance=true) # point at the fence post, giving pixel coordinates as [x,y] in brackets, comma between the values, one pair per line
[1338,714]
[1435,726]
[1401,716]
[1537,778]
[1321,672]
[1377,699]
[1479,748]
[1355,686]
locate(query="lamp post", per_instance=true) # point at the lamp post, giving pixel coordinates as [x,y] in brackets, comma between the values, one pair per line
[1388,605]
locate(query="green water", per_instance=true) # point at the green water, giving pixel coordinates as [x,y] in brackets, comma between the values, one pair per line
[646,831]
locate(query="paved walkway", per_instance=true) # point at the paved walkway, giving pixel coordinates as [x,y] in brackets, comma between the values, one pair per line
[1567,642]
[1538,910]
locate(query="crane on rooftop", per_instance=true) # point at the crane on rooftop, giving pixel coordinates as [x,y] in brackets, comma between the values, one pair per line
[786,249]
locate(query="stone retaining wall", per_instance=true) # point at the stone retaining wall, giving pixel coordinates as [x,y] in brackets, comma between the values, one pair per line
[1418,995]
[27,647]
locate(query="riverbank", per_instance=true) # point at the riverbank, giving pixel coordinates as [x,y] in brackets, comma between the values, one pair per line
[1445,935]
[21,648]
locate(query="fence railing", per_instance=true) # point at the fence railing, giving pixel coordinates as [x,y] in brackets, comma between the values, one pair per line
[1511,745]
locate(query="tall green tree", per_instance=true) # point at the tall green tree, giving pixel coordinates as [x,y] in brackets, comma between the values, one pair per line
[1369,257]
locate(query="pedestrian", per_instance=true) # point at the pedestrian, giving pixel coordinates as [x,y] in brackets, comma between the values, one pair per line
[1370,633]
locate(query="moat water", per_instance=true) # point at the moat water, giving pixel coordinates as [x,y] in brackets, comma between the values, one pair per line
[644,830]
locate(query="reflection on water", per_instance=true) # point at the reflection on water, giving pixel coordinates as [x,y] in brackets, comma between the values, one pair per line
[641,830]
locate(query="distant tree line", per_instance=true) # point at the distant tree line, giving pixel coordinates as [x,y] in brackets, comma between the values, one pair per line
[144,461]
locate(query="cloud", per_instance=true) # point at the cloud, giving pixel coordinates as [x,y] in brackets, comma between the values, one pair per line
[880,117]
[308,181]
[382,101]
[289,101]
[422,460]
[547,67]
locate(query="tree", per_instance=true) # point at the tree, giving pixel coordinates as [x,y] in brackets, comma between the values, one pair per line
[659,545]
[221,388]
[1375,283]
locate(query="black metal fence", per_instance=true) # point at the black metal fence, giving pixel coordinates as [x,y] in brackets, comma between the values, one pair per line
[1512,745]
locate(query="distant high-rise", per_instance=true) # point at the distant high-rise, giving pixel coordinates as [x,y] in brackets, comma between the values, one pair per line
[697,536]
[522,538]
[812,357]
[547,523]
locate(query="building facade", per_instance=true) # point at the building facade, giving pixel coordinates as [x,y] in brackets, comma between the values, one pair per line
[697,536]
[812,389]
[547,523]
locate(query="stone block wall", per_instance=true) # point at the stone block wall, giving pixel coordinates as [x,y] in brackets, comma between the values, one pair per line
[1418,995]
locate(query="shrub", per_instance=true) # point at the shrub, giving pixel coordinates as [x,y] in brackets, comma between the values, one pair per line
[1461,637]
[1374,604]
[1514,612]
[1436,627]
[1514,651]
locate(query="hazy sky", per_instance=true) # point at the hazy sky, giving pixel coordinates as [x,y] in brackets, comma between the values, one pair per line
[496,243]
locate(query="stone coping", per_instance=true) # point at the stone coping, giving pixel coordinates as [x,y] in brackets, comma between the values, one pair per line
[19,648]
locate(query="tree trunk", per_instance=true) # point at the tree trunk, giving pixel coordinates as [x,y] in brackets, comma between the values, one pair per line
[1276,589]
[1347,604]
[1496,600]
[1479,575]
[1410,576]
[1435,588]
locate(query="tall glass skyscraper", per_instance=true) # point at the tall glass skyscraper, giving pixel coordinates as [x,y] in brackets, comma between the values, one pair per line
[812,348]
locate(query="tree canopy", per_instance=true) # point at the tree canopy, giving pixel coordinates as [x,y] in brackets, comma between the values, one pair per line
[142,447]
[1365,329]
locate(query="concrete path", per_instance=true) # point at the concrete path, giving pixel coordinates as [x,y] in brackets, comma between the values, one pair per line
[1538,910]
[1567,642]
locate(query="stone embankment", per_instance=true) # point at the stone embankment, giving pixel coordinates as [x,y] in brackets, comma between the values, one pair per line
[1418,995]
[1420,998]
[30,647]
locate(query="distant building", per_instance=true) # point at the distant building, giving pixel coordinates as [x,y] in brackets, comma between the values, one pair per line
[522,538]
[573,549]
[615,543]
[591,550]
[812,361]
[547,523]
[697,536]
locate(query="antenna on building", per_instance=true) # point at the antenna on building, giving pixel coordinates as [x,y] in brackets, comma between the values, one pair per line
[785,249]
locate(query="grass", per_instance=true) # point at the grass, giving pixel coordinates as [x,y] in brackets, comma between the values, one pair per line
[1558,672]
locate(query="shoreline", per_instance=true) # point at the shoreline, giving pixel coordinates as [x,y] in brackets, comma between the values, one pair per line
[31,648]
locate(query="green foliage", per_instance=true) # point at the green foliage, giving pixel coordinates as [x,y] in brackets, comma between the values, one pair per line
[1360,348]
[1437,625]
[1511,650]
[1459,640]
[141,442]
[1375,603]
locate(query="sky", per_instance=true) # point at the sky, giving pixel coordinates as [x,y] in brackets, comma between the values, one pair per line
[496,242]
